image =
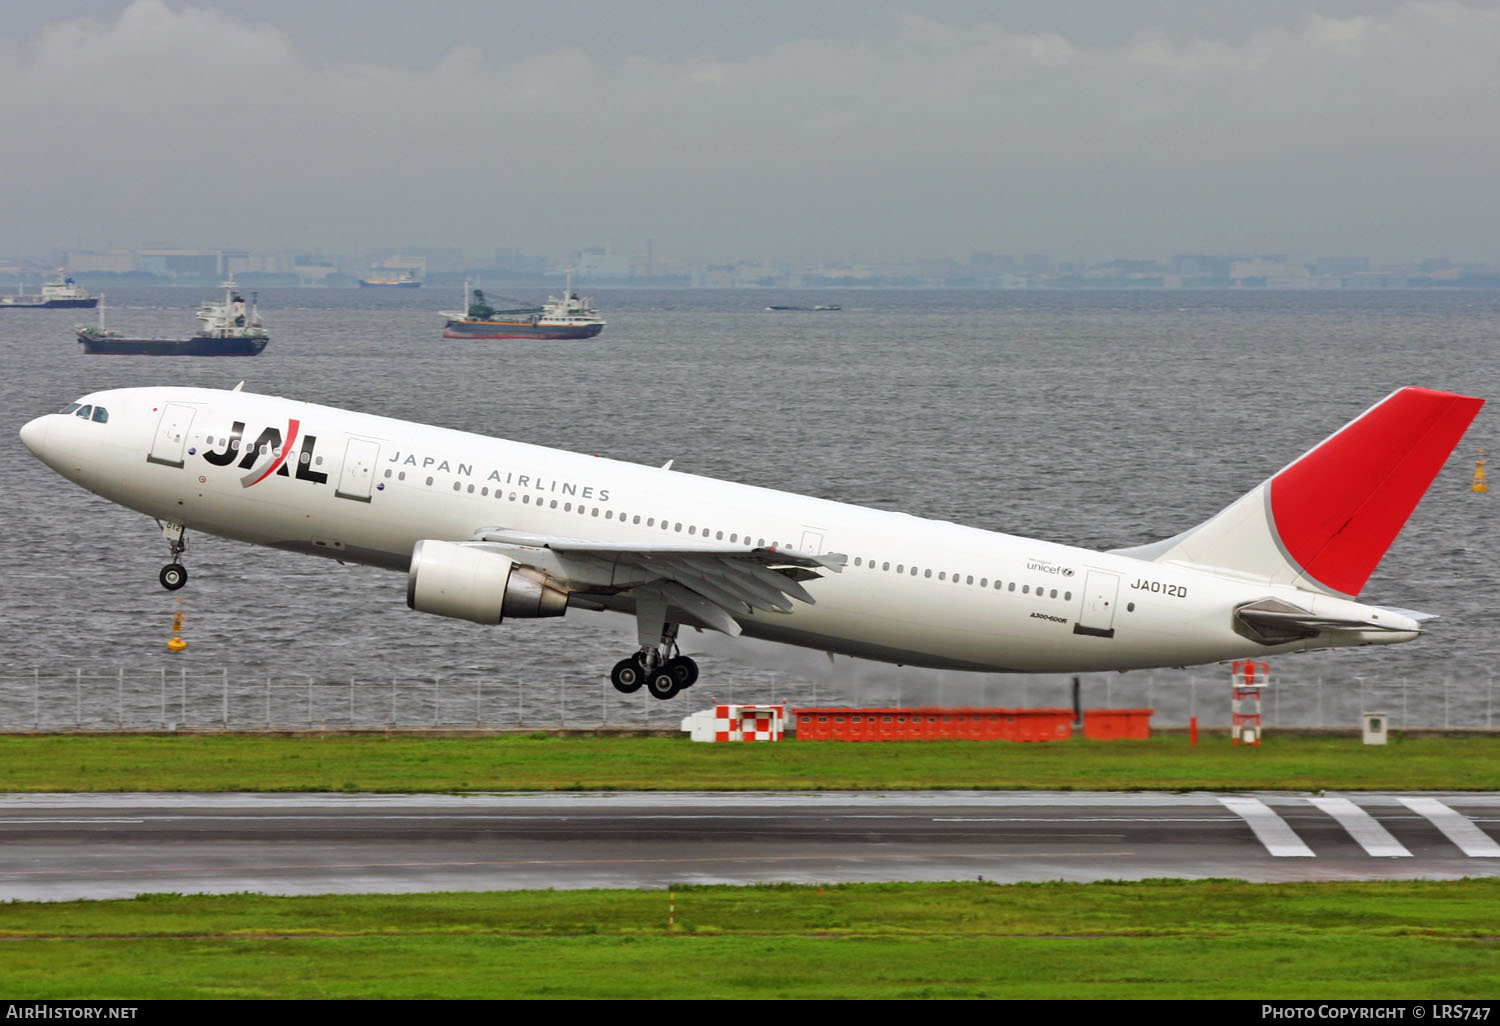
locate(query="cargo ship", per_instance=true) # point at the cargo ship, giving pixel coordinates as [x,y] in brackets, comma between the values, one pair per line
[405,281]
[58,294]
[567,316]
[230,328]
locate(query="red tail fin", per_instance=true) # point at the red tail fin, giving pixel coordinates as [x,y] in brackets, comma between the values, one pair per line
[1338,508]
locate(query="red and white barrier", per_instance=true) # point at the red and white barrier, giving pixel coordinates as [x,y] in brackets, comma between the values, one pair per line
[737,723]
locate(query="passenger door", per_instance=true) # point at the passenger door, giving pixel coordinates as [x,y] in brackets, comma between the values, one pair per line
[170,440]
[357,476]
[1097,617]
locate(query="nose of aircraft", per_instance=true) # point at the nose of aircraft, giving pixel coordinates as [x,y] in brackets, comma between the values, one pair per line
[34,435]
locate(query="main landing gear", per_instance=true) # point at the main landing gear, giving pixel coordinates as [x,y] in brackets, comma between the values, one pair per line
[174,574]
[661,668]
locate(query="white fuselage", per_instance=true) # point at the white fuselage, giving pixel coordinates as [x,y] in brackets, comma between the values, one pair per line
[366,489]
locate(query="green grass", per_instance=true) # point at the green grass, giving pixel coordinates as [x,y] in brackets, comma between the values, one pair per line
[539,763]
[1155,939]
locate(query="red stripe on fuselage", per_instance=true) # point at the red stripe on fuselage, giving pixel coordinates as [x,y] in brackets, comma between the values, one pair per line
[286,448]
[1338,508]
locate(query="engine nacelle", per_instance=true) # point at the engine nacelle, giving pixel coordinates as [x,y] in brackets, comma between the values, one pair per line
[473,582]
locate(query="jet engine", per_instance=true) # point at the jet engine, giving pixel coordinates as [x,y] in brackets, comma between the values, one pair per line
[474,582]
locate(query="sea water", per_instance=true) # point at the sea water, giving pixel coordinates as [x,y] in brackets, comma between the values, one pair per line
[1098,419]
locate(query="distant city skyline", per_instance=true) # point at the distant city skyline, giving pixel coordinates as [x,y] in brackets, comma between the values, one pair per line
[874,131]
[604,265]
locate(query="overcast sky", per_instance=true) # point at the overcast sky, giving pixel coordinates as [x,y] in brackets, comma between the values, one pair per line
[779,130]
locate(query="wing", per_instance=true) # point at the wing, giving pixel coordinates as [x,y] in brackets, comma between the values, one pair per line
[712,583]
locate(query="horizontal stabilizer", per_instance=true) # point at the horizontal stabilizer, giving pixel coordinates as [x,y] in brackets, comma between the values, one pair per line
[1283,620]
[1273,621]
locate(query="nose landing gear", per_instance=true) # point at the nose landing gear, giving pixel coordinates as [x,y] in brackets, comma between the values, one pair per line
[174,575]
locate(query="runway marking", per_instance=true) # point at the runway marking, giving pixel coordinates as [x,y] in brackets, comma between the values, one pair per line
[1083,819]
[1372,837]
[1270,829]
[1459,829]
[88,822]
[570,862]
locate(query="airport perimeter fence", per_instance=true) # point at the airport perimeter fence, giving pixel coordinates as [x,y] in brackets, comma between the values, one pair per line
[165,700]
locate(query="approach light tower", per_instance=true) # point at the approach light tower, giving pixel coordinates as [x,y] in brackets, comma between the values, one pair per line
[1247,678]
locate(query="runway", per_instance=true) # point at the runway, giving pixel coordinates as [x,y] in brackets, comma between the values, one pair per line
[59,847]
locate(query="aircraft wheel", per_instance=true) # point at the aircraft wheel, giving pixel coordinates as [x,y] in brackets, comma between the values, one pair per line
[662,683]
[173,576]
[684,669]
[627,676]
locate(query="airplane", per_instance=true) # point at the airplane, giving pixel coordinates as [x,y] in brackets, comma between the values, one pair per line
[487,529]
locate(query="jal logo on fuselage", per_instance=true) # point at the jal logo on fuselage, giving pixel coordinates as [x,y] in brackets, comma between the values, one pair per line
[270,444]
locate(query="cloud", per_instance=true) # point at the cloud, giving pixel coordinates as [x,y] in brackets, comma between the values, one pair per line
[905,137]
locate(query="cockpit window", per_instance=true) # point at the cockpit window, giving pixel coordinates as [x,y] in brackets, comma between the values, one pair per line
[101,415]
[84,412]
[70,407]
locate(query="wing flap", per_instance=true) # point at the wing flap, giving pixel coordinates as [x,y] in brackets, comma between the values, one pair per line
[763,556]
[711,613]
[725,592]
[712,583]
[744,586]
